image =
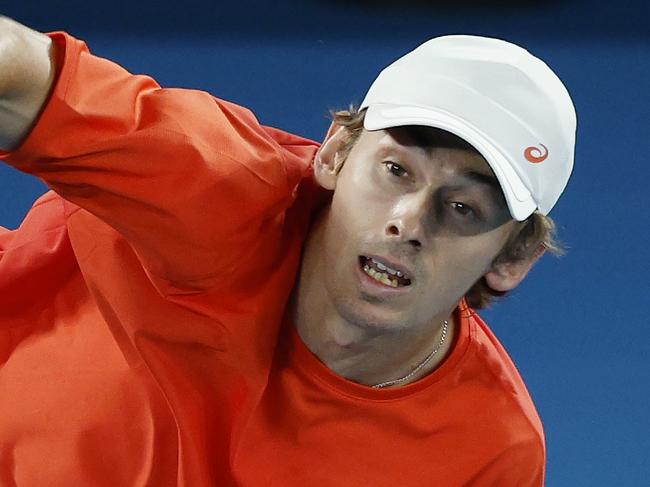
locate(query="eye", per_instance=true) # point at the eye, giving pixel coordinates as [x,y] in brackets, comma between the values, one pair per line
[462,209]
[395,169]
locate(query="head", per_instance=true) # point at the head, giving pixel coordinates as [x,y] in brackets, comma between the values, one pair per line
[526,240]
[445,176]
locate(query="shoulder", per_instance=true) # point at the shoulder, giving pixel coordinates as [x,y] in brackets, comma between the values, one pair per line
[497,411]
[49,213]
[36,258]
[495,376]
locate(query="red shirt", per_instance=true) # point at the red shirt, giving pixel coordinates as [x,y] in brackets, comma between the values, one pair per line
[142,330]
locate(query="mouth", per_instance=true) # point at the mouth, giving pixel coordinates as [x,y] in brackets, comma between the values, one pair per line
[383,273]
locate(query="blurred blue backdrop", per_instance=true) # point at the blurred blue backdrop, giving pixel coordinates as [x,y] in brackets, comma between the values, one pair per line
[577,328]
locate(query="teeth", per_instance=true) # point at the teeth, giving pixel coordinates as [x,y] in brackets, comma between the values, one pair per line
[384,267]
[379,276]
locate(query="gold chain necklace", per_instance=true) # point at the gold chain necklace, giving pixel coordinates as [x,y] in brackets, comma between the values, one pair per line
[427,359]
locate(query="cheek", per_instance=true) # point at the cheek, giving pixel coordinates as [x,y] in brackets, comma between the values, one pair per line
[363,204]
[354,224]
[458,263]
[356,208]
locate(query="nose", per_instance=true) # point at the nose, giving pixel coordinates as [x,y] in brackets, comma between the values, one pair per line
[408,219]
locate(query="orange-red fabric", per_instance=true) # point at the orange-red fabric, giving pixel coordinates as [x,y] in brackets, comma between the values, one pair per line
[142,330]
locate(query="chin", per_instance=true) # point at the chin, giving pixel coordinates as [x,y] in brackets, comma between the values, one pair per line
[372,316]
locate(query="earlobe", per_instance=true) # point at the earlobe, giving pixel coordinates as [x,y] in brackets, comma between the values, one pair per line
[506,276]
[328,157]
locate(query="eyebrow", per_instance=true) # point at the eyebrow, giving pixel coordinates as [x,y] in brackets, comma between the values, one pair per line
[482,178]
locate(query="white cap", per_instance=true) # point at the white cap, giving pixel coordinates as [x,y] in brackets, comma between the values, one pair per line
[505,102]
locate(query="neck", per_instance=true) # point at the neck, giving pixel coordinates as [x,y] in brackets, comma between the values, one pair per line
[359,351]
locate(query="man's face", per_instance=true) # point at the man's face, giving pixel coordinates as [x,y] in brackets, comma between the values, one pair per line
[435,215]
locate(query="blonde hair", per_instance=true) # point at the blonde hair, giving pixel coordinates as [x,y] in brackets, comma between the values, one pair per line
[535,234]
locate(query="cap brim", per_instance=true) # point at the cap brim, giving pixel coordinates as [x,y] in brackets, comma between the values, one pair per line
[517,196]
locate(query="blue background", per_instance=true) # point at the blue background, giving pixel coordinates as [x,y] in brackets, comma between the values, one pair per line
[577,328]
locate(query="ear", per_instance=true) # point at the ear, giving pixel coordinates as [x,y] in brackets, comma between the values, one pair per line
[328,158]
[505,276]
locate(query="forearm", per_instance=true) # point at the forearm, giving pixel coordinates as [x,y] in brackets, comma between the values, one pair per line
[26,77]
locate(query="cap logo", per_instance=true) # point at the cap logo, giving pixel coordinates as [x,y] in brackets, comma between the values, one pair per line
[535,154]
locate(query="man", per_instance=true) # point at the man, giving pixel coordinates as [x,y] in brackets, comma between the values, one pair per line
[207,301]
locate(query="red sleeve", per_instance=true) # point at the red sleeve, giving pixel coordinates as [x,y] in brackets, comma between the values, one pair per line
[187,179]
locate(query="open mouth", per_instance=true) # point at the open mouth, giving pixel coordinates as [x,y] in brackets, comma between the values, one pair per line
[383,273]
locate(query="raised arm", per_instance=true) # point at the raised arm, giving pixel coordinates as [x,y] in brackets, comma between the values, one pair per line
[26,76]
[190,181]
